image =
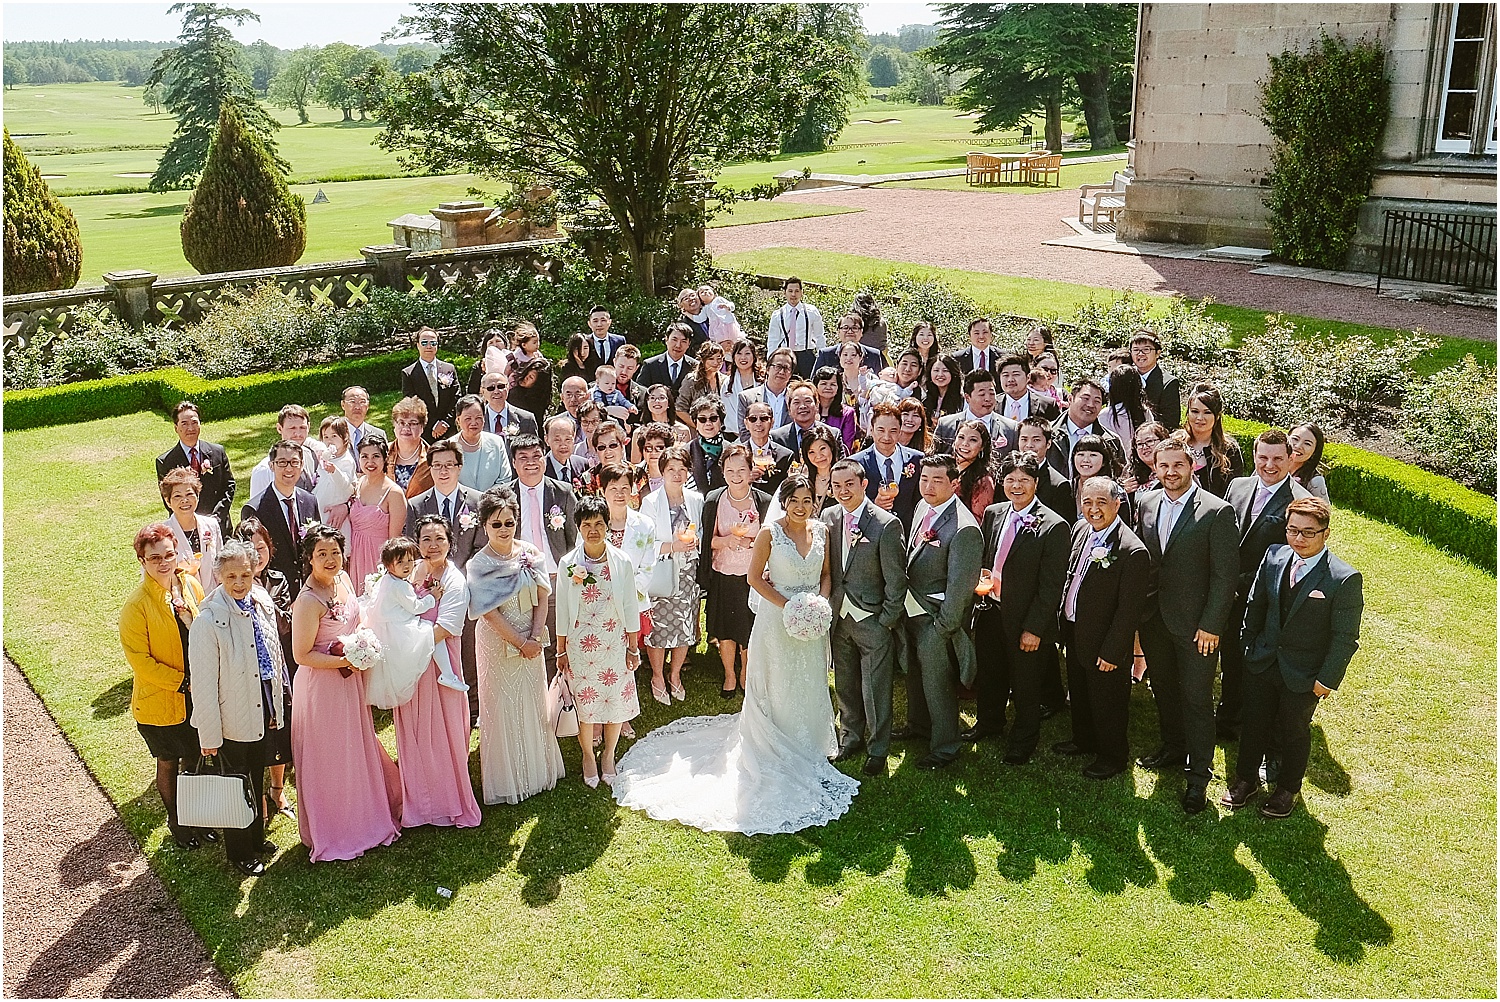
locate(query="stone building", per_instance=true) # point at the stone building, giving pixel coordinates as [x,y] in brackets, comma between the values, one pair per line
[1201,154]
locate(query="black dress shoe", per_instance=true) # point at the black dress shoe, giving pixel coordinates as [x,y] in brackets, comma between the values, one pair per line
[208,835]
[1278,804]
[1194,800]
[874,766]
[977,733]
[845,754]
[727,693]
[932,763]
[268,846]
[1015,758]
[1239,794]
[904,734]
[1048,712]
[1161,760]
[1070,749]
[1102,770]
[185,841]
[250,867]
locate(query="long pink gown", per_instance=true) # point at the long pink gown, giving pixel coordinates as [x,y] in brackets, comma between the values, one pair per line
[432,745]
[369,528]
[348,789]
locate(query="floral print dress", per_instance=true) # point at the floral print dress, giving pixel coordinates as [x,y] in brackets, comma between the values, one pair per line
[603,690]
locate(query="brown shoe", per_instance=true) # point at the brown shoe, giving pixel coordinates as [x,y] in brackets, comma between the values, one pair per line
[1278,804]
[1239,794]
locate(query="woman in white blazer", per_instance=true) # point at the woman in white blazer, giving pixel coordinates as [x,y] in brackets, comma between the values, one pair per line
[598,636]
[199,537]
[675,510]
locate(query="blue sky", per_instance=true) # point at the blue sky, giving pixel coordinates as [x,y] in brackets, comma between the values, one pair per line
[287,25]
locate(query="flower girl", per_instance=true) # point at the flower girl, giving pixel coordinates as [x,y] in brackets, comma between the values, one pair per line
[336,479]
[393,612]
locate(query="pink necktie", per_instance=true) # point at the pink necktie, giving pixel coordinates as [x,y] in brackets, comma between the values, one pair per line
[921,536]
[1007,537]
[1297,567]
[848,530]
[1262,495]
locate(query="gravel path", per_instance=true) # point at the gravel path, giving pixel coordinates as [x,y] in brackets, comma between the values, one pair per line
[84,915]
[1000,233]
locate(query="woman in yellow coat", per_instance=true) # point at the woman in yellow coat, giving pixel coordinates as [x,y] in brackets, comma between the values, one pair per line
[153,631]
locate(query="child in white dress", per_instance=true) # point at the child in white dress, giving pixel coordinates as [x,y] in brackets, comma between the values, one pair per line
[393,613]
[337,475]
[723,326]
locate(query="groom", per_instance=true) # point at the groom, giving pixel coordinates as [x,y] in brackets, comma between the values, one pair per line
[942,568]
[868,569]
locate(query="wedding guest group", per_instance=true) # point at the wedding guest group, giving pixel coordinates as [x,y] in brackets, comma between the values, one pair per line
[971,525]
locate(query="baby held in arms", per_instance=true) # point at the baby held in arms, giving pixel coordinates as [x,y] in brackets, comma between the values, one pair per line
[393,613]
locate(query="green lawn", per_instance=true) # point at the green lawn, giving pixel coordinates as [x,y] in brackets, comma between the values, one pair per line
[1037,297]
[981,880]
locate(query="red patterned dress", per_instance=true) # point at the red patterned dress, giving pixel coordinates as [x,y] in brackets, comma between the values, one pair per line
[603,689]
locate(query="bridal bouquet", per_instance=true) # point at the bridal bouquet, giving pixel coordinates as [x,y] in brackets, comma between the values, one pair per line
[362,649]
[807,616]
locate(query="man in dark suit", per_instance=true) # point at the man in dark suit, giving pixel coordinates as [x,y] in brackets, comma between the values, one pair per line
[851,330]
[206,459]
[1053,489]
[708,444]
[671,367]
[890,467]
[1109,574]
[1026,552]
[867,565]
[285,509]
[802,402]
[561,463]
[434,382]
[980,354]
[601,341]
[769,462]
[1080,419]
[942,568]
[1194,544]
[1163,390]
[546,520]
[979,405]
[780,367]
[1301,629]
[1017,400]
[500,418]
[1259,504]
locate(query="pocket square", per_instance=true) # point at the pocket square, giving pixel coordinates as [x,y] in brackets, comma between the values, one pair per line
[1315,593]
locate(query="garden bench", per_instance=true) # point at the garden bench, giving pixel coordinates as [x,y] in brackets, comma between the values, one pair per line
[1108,199]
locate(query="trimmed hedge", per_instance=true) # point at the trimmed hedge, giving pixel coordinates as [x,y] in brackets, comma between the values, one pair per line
[1445,513]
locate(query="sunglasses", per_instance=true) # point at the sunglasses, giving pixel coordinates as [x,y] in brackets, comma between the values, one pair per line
[503,524]
[757,420]
[707,419]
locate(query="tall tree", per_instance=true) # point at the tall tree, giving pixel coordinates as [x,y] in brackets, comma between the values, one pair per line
[829,38]
[1027,57]
[42,250]
[623,102]
[884,66]
[345,79]
[294,84]
[197,78]
[264,59]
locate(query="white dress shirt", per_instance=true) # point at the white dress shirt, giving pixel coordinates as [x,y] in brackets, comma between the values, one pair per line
[1017,410]
[1169,512]
[799,328]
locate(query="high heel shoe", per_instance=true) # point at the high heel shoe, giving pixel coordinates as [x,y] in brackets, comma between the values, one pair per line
[592,782]
[608,778]
[659,692]
[678,692]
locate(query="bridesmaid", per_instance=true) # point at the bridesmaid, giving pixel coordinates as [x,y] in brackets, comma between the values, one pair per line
[377,511]
[348,789]
[508,589]
[598,636]
[432,728]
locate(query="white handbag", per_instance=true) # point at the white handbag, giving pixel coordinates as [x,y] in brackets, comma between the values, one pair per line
[663,577]
[214,800]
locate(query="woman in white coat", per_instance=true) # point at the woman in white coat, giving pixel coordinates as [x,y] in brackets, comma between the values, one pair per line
[675,511]
[598,636]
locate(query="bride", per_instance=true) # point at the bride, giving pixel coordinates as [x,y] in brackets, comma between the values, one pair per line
[765,769]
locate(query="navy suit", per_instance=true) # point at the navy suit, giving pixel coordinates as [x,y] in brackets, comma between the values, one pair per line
[606,353]
[286,549]
[906,496]
[871,360]
[217,496]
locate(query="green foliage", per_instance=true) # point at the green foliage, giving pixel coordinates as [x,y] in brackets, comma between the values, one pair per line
[1326,109]
[242,215]
[884,67]
[198,78]
[1449,418]
[625,103]
[295,82]
[829,40]
[261,329]
[98,345]
[350,78]
[923,83]
[42,250]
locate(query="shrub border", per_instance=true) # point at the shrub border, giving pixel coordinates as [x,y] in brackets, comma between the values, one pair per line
[1446,513]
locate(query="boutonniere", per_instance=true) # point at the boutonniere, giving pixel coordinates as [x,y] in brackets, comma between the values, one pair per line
[335,609]
[1030,523]
[307,527]
[446,380]
[528,562]
[581,575]
[555,517]
[1101,557]
[512,429]
[856,537]
[205,468]
[909,470]
[467,520]
[930,537]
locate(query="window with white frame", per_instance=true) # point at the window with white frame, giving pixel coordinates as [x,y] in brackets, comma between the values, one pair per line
[1466,121]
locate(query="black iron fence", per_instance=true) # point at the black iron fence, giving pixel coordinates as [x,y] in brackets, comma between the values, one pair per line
[1446,248]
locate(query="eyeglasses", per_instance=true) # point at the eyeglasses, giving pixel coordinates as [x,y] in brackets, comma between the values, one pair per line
[443,466]
[427,344]
[1048,368]
[286,463]
[161,558]
[781,367]
[1147,443]
[707,419]
[409,423]
[1308,534]
[492,387]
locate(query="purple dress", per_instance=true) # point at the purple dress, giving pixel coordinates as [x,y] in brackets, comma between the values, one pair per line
[432,745]
[348,789]
[369,528]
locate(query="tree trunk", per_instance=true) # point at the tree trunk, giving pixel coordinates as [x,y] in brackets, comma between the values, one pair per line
[1094,88]
[642,260]
[349,114]
[302,118]
[1053,133]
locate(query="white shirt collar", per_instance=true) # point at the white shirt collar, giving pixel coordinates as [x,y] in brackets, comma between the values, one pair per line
[1270,487]
[1102,534]
[1034,502]
[859,512]
[437,492]
[276,488]
[1075,430]
[540,484]
[942,509]
[1312,561]
[773,394]
[1182,501]
[971,416]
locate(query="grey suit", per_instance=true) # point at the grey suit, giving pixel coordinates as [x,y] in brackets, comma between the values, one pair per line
[559,542]
[864,651]
[937,639]
[1002,438]
[1197,570]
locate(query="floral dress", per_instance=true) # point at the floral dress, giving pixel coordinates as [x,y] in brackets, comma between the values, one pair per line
[603,690]
[674,620]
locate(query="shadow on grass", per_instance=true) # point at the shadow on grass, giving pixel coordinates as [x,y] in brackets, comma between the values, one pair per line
[113,701]
[149,212]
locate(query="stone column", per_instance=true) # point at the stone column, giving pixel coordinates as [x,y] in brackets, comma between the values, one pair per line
[462,222]
[389,262]
[132,289]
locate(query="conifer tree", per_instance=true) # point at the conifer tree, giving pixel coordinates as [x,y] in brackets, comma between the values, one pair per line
[42,250]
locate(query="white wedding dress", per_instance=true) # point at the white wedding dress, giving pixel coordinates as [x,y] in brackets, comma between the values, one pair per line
[765,769]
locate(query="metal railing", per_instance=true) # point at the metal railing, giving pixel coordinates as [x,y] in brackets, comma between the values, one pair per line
[1444,248]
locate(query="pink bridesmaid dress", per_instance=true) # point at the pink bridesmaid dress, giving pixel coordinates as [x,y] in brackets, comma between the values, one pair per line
[348,789]
[369,528]
[432,745]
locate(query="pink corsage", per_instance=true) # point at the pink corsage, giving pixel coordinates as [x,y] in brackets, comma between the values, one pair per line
[555,517]
[909,470]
